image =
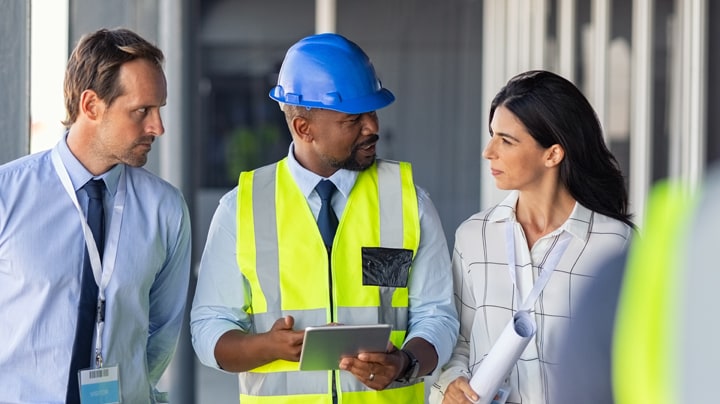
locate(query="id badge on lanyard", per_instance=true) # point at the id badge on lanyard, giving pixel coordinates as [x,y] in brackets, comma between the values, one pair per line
[502,394]
[100,385]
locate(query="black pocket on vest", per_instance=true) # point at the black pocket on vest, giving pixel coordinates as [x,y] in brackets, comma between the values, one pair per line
[386,266]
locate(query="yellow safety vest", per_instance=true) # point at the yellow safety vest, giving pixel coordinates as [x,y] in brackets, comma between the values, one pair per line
[644,358]
[281,254]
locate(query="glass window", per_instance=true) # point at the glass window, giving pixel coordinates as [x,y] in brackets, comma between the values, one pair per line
[241,47]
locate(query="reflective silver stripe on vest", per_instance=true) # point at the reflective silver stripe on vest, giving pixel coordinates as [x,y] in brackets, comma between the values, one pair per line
[391,204]
[266,239]
[303,318]
[398,317]
[290,383]
[359,315]
[295,383]
[391,233]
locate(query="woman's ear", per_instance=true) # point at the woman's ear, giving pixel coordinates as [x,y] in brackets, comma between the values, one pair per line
[554,155]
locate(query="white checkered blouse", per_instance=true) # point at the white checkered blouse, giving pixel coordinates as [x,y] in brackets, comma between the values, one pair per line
[484,292]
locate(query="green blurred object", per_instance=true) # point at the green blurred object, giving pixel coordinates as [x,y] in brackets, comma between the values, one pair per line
[249,148]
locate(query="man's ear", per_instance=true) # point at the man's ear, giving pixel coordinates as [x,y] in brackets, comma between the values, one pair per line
[554,155]
[301,127]
[91,105]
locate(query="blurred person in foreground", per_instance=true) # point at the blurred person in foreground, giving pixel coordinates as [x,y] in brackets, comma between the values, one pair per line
[566,211]
[94,249]
[643,333]
[377,253]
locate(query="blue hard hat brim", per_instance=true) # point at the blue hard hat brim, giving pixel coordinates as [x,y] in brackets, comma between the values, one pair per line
[380,99]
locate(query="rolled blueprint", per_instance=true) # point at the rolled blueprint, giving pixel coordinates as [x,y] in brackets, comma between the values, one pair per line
[503,355]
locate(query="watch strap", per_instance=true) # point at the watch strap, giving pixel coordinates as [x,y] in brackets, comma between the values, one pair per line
[412,369]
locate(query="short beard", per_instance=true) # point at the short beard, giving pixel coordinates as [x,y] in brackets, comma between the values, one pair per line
[351,163]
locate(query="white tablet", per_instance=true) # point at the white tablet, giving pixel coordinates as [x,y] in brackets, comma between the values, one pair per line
[324,346]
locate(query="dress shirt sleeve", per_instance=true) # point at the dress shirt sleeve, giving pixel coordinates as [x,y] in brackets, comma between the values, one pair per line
[168,295]
[220,297]
[432,316]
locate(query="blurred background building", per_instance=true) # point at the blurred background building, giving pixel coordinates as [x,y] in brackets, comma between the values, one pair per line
[644,64]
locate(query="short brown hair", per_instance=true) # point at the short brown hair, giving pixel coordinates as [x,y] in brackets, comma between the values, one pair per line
[95,64]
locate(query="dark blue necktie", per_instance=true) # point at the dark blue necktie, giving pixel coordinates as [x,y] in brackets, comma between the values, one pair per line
[327,221]
[87,308]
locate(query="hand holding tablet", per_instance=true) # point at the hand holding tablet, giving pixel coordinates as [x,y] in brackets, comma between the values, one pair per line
[324,346]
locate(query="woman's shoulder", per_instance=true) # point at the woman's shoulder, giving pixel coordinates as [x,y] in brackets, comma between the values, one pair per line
[606,224]
[608,234]
[587,221]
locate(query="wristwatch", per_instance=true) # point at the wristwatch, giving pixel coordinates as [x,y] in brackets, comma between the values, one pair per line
[412,369]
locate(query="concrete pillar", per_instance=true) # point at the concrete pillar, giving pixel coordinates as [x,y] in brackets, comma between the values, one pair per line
[15,76]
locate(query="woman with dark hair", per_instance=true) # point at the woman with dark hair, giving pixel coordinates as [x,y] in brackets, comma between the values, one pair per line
[537,249]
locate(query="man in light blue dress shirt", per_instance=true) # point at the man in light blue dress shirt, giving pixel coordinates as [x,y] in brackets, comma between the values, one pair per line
[249,315]
[114,88]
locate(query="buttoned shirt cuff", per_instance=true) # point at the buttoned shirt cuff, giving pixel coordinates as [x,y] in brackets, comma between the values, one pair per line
[448,376]
[441,339]
[205,343]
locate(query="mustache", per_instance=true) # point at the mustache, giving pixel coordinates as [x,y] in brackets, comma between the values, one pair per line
[371,139]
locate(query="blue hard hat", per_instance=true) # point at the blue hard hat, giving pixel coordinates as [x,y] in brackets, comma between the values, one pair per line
[331,72]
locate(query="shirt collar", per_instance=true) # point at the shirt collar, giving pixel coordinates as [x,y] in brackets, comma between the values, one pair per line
[577,224]
[79,175]
[306,180]
[505,210]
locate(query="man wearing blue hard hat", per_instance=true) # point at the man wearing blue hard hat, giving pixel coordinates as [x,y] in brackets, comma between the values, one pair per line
[328,235]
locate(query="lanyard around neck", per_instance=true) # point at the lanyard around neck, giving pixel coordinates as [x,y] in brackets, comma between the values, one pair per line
[555,254]
[102,269]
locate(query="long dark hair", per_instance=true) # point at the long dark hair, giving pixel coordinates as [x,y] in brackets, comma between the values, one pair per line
[554,111]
